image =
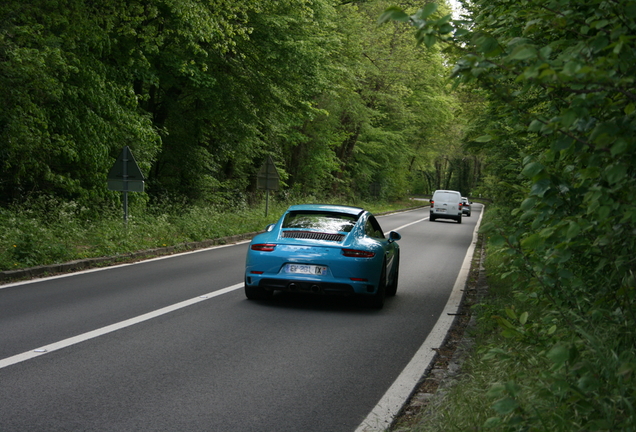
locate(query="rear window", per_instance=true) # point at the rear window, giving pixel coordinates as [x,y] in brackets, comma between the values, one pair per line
[446,197]
[320,221]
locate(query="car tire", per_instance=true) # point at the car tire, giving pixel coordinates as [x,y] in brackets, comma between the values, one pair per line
[432,219]
[257,293]
[391,290]
[468,214]
[459,219]
[376,301]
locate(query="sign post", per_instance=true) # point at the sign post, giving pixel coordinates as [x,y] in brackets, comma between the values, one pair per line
[267,179]
[125,176]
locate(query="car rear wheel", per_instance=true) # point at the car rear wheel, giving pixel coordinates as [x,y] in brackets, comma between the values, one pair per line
[391,290]
[257,293]
[459,219]
[376,301]
[432,219]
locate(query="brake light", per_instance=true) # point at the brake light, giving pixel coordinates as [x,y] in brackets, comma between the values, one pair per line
[355,253]
[263,247]
[432,202]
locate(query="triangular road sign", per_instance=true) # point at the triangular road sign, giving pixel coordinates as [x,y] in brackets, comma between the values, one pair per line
[125,175]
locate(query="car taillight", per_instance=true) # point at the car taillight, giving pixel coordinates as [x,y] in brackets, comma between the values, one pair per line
[355,253]
[432,202]
[263,247]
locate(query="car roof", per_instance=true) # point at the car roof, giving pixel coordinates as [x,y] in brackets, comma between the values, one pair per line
[327,207]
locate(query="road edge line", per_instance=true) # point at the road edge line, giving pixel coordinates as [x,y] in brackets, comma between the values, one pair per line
[390,405]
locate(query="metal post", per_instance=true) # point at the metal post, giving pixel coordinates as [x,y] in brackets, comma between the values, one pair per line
[125,176]
[266,189]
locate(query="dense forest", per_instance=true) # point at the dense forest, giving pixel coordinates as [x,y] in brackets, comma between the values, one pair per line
[203,91]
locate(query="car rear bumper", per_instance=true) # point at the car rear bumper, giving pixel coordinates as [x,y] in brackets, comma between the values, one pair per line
[437,215]
[318,287]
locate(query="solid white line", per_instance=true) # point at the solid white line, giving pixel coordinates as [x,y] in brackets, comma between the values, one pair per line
[383,414]
[113,327]
[408,224]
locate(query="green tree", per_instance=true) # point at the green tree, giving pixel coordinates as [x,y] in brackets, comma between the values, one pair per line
[64,112]
[559,75]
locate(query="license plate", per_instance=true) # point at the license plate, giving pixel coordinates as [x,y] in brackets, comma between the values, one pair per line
[306,269]
[440,210]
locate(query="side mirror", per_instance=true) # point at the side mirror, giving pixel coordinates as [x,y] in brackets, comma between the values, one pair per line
[393,236]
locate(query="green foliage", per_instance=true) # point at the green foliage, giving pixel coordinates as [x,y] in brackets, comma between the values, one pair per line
[204,91]
[47,230]
[558,138]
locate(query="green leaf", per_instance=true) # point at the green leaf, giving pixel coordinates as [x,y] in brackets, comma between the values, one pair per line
[492,423]
[562,143]
[428,10]
[523,319]
[620,146]
[559,354]
[486,44]
[573,230]
[532,169]
[393,13]
[483,138]
[528,203]
[615,173]
[532,241]
[505,406]
[535,126]
[523,52]
[446,28]
[429,40]
[540,187]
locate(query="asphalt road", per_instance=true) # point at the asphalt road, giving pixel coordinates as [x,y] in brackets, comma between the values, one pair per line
[156,346]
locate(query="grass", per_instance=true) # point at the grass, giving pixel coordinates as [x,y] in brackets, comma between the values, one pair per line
[49,231]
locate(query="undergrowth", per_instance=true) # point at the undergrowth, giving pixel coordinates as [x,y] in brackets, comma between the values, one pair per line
[543,361]
[48,231]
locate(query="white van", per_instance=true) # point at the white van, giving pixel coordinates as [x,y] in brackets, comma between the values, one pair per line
[446,204]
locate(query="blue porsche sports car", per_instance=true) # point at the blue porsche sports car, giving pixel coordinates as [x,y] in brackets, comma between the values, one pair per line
[324,249]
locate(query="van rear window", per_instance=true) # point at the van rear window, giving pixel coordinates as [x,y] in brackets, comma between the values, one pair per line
[446,197]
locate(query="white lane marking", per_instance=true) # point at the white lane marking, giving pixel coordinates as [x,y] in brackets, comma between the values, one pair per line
[407,225]
[111,328]
[389,406]
[143,261]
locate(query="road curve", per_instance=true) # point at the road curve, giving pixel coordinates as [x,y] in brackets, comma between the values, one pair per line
[218,361]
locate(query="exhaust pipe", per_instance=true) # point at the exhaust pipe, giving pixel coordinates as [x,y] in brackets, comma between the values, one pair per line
[292,287]
[315,289]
